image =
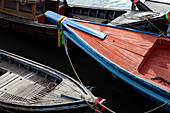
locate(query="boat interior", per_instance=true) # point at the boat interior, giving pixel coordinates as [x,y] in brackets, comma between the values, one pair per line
[144,55]
[156,64]
[28,85]
[98,15]
[29,9]
[157,6]
[35,11]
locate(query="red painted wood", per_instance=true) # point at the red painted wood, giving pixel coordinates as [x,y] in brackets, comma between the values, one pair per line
[158,64]
[132,51]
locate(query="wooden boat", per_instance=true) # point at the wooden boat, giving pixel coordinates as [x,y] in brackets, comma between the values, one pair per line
[157,6]
[144,19]
[27,86]
[28,17]
[141,59]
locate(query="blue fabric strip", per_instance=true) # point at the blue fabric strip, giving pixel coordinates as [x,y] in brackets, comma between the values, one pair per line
[54,17]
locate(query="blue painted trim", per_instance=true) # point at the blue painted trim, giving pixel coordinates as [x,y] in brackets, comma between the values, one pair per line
[129,29]
[54,17]
[123,74]
[108,61]
[150,90]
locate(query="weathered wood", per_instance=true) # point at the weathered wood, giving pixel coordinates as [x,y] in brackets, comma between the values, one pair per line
[129,50]
[18,12]
[22,87]
[3,3]
[5,10]
[34,10]
[17,7]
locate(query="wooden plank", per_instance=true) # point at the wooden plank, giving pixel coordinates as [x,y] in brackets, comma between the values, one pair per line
[158,64]
[3,3]
[29,2]
[22,87]
[18,4]
[33,91]
[57,6]
[8,79]
[129,47]
[4,76]
[44,6]
[71,95]
[5,10]
[122,57]
[34,10]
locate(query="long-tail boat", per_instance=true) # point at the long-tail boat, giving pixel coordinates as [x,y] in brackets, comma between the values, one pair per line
[27,16]
[144,18]
[141,59]
[31,87]
[157,6]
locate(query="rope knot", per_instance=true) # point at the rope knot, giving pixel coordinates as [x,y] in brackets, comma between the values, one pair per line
[99,108]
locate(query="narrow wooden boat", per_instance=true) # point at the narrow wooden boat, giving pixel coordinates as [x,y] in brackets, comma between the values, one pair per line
[27,86]
[144,19]
[157,6]
[141,59]
[28,16]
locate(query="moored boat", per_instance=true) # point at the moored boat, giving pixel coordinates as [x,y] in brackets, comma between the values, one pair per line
[27,16]
[143,19]
[28,86]
[141,59]
[157,6]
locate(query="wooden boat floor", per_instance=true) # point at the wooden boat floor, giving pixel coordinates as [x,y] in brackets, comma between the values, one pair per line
[26,87]
[130,50]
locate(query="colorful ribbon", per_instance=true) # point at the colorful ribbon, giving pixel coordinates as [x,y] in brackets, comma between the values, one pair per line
[168,16]
[98,107]
[39,1]
[60,32]
[133,6]
[134,3]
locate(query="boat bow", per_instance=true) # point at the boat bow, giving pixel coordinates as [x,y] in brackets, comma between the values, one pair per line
[56,19]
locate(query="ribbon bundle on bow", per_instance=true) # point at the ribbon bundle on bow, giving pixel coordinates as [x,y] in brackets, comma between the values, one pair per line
[168,18]
[134,3]
[99,108]
[60,32]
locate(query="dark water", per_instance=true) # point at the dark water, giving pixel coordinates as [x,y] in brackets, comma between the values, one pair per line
[119,96]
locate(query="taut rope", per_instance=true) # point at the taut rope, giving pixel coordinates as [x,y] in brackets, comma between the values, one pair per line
[66,49]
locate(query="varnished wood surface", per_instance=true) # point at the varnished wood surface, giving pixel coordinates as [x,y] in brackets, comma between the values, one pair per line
[129,49]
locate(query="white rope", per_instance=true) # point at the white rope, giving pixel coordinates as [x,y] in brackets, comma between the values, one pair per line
[66,49]
[157,107]
[146,17]
[161,32]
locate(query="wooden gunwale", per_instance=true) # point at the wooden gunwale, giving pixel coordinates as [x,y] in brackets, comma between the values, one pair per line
[18,12]
[126,49]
